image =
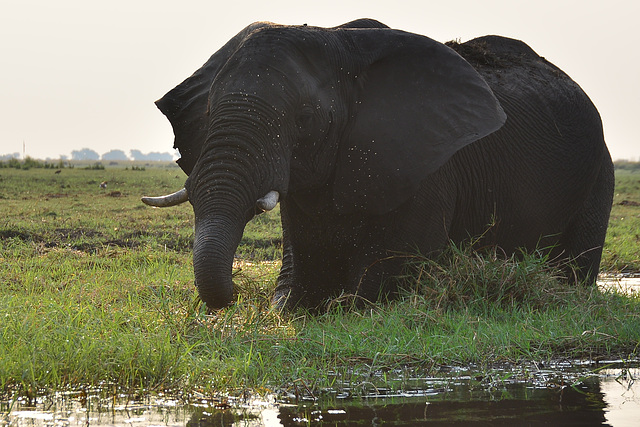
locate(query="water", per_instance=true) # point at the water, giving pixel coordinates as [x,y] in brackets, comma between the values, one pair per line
[628,283]
[559,395]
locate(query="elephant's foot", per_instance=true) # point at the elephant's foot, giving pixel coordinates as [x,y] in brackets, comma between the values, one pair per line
[287,298]
[281,299]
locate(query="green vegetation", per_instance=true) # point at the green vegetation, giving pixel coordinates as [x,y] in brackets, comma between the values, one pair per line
[625,165]
[96,290]
[622,247]
[29,163]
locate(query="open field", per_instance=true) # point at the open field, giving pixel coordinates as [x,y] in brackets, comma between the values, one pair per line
[96,290]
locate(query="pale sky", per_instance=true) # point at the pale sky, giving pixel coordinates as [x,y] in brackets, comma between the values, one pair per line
[85,73]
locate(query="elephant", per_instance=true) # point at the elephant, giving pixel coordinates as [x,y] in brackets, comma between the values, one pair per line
[378,142]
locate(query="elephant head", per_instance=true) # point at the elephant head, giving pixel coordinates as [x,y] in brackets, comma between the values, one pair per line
[358,115]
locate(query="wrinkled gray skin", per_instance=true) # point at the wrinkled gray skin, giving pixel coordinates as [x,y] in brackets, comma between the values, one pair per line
[382,142]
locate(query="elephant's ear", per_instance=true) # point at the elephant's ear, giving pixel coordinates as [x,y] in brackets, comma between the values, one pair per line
[186,105]
[418,102]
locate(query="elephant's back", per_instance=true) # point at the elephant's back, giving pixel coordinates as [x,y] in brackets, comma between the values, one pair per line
[546,109]
[494,51]
[511,64]
[545,161]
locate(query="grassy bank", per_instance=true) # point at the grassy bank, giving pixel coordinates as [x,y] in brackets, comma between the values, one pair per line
[96,288]
[622,247]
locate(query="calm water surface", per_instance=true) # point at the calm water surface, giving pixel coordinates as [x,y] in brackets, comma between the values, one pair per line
[556,396]
[627,283]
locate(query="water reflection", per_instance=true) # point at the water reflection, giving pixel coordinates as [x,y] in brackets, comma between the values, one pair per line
[623,283]
[621,389]
[512,405]
[610,397]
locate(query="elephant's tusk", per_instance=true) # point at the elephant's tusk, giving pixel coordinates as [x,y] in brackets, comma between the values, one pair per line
[168,200]
[269,201]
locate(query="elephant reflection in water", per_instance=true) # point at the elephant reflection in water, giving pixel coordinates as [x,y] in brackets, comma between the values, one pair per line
[377,141]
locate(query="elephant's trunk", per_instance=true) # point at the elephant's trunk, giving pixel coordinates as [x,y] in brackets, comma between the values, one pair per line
[214,246]
[234,179]
[223,203]
[216,239]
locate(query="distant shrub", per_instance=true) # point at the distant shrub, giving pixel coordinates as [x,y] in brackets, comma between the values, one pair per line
[25,164]
[31,163]
[95,166]
[12,163]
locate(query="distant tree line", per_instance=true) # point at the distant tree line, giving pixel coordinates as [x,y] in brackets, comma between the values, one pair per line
[627,165]
[7,157]
[28,163]
[116,155]
[152,156]
[87,154]
[13,159]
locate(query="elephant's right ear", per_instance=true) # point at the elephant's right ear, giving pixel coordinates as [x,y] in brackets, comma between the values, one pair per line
[186,105]
[417,103]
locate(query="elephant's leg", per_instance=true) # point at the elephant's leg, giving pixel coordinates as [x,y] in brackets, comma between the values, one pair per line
[421,227]
[288,293]
[285,294]
[312,269]
[584,239]
[374,276]
[309,278]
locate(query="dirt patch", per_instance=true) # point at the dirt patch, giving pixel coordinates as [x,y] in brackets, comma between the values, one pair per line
[55,196]
[77,233]
[628,203]
[95,246]
[16,234]
[138,238]
[90,240]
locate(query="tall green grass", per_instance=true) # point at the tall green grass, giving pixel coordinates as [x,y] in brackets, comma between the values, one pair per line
[97,290]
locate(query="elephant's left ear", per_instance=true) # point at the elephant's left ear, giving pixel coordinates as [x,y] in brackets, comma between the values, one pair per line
[418,103]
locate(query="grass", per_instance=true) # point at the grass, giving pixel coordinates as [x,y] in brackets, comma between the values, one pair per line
[622,246]
[97,290]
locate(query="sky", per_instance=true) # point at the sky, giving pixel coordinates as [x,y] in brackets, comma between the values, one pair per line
[85,73]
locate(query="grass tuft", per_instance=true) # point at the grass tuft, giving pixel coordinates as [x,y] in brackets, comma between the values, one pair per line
[462,279]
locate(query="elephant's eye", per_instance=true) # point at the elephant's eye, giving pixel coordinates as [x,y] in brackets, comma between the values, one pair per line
[304,119]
